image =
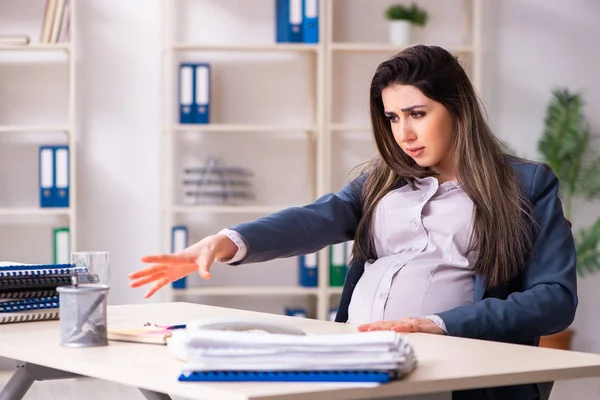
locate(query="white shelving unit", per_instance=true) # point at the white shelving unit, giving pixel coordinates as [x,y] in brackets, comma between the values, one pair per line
[37,53]
[321,133]
[241,128]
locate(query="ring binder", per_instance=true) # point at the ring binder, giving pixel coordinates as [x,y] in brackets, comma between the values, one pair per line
[289,376]
[29,316]
[25,285]
[28,292]
[35,269]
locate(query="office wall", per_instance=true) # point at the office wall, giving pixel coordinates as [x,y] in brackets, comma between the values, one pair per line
[530,46]
[534,46]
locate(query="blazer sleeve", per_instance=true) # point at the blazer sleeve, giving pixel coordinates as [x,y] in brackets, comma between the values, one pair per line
[331,219]
[548,300]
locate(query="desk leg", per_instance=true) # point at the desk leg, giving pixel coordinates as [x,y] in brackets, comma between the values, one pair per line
[25,375]
[150,395]
[17,386]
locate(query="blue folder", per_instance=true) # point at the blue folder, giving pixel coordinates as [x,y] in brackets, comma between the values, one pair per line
[61,176]
[310,21]
[308,269]
[179,241]
[288,21]
[186,93]
[46,176]
[289,376]
[201,112]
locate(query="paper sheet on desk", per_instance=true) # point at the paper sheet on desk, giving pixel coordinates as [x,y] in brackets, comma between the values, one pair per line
[367,341]
[218,350]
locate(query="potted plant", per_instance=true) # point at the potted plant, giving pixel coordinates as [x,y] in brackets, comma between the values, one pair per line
[565,146]
[401,18]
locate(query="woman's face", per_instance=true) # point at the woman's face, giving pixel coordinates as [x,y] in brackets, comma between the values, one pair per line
[423,128]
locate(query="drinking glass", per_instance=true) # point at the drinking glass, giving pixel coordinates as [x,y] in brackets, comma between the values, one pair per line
[93,262]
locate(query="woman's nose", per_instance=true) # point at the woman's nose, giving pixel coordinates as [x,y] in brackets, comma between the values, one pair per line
[404,133]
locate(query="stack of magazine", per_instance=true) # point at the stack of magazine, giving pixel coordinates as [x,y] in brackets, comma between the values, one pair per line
[218,355]
[28,291]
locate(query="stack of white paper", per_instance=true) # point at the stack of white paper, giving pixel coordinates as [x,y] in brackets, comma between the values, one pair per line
[213,350]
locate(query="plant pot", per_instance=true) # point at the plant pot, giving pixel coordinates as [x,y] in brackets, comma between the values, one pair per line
[399,31]
[560,340]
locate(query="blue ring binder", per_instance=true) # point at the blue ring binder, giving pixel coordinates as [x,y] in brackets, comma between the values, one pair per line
[288,376]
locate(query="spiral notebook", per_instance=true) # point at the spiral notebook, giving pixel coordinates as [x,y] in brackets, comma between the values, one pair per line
[289,376]
[28,291]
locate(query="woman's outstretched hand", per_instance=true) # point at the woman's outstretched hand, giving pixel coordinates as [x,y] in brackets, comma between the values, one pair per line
[405,325]
[167,268]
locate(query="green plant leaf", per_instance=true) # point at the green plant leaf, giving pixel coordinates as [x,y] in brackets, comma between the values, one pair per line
[589,184]
[566,147]
[587,247]
[414,14]
[565,141]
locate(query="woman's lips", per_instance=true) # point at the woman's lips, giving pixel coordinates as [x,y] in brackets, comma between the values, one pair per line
[415,151]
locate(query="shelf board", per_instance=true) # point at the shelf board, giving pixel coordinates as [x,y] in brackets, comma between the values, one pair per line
[351,128]
[227,209]
[384,48]
[334,290]
[66,47]
[248,291]
[239,128]
[34,128]
[34,211]
[287,47]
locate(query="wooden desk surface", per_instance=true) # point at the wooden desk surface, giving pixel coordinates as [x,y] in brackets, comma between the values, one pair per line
[445,363]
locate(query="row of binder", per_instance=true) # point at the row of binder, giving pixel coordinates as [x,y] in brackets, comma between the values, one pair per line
[54,176]
[194,93]
[297,21]
[339,254]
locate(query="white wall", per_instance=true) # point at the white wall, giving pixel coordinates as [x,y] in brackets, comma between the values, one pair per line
[119,117]
[533,47]
[530,46]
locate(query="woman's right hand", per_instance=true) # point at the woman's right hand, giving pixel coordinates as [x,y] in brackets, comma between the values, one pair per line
[168,268]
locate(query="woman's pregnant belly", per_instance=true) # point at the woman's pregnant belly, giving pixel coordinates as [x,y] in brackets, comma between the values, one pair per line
[419,290]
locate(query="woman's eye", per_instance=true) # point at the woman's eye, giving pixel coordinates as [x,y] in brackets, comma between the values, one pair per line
[392,118]
[417,114]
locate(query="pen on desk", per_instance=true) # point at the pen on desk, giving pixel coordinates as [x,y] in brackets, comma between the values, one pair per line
[169,327]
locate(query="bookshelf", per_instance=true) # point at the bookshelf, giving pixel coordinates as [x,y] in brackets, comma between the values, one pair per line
[25,129]
[325,130]
[65,47]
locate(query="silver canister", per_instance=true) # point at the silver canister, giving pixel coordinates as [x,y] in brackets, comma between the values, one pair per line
[83,315]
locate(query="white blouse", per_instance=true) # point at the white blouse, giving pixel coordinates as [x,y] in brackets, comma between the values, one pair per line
[422,266]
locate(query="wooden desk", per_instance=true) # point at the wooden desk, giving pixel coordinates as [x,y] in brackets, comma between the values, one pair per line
[155,372]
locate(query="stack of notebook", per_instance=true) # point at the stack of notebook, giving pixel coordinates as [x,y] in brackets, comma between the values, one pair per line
[215,355]
[28,291]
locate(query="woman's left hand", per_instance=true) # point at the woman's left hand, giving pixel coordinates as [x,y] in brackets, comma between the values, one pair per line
[405,325]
